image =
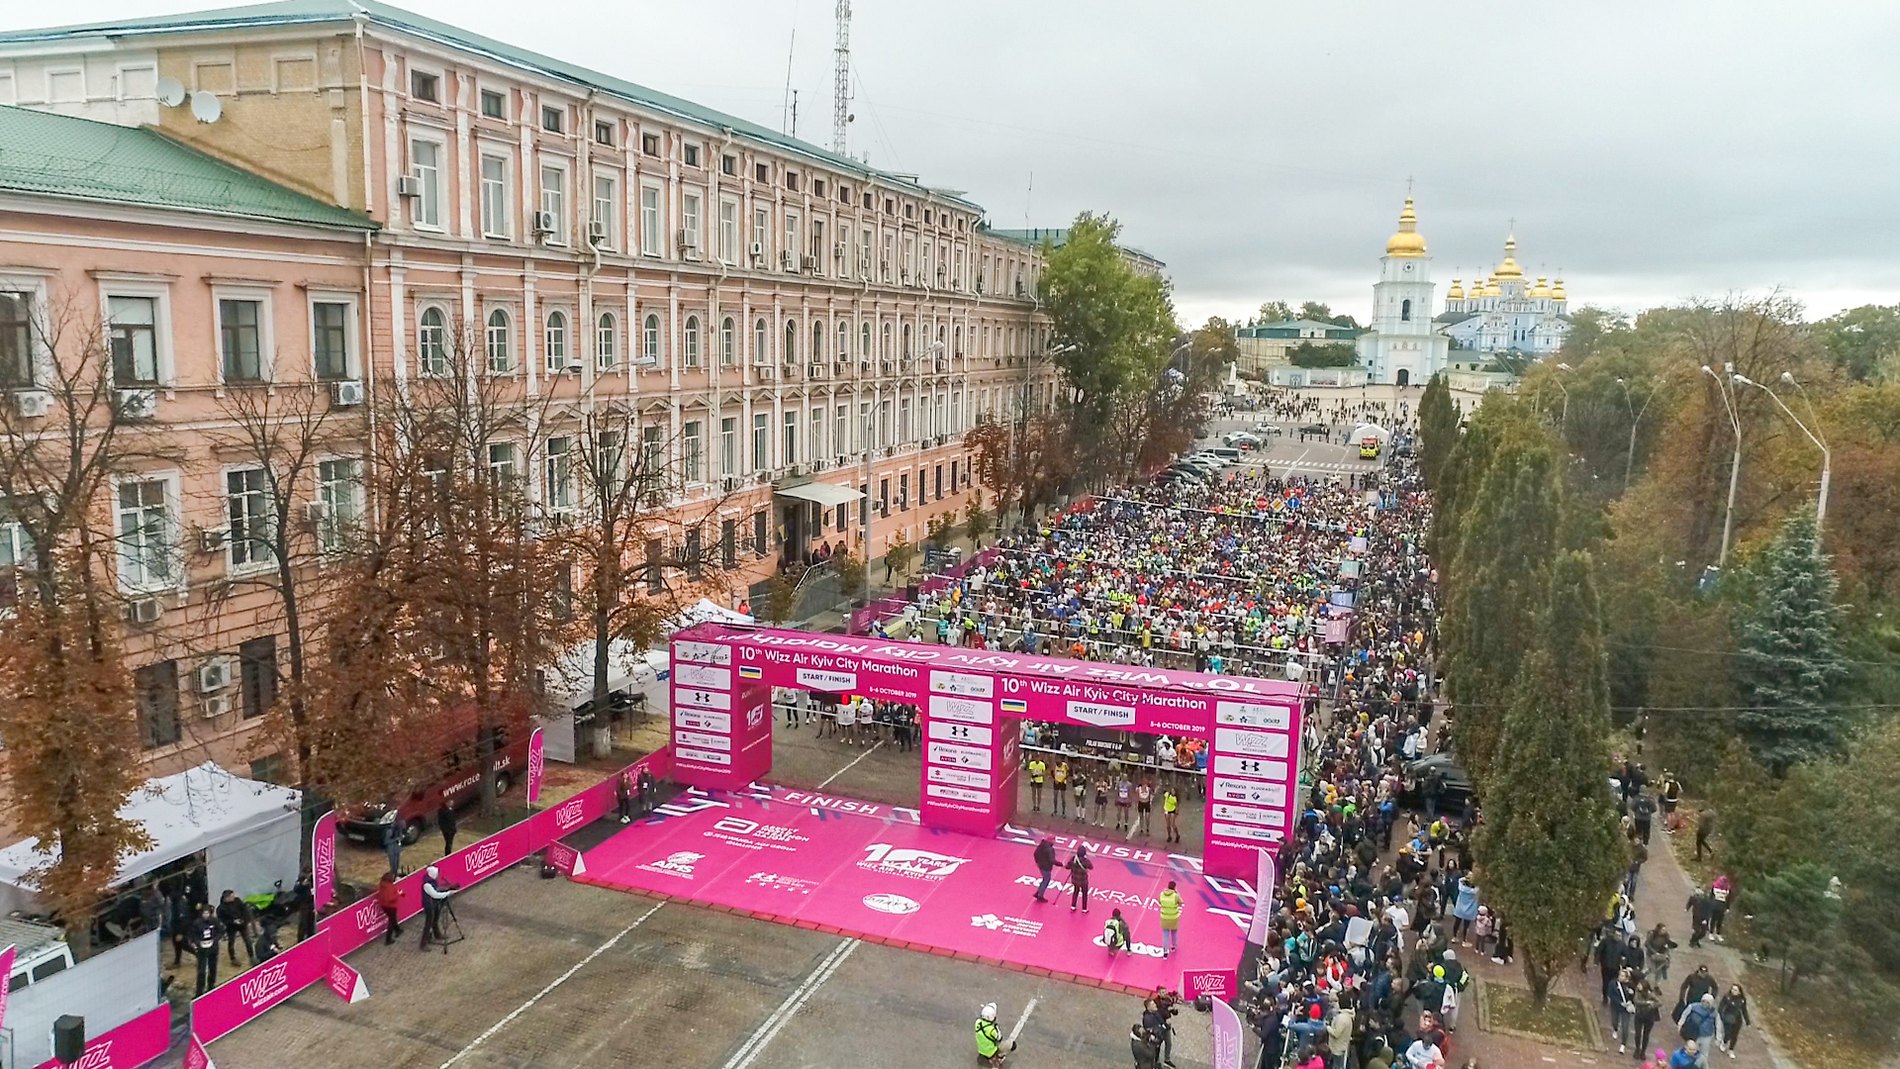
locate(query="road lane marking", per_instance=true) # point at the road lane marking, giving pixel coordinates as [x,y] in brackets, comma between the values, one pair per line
[557,982]
[768,1029]
[1017,1031]
[854,763]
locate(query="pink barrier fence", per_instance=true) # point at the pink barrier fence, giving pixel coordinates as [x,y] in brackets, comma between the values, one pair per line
[132,1044]
[246,996]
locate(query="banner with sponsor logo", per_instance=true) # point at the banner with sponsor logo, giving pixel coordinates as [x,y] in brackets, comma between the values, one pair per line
[323,860]
[197,1057]
[6,973]
[566,860]
[1265,880]
[236,1002]
[1227,1037]
[346,983]
[537,766]
[1217,984]
[136,1042]
[485,857]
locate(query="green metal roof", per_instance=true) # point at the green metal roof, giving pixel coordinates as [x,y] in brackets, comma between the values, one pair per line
[1055,237]
[60,156]
[296,12]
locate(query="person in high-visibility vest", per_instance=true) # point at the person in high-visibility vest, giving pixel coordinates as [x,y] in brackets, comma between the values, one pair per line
[989,1039]
[1170,920]
[1037,769]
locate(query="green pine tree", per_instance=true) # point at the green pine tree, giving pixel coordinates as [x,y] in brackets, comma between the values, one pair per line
[1548,852]
[1438,421]
[1788,662]
[1500,585]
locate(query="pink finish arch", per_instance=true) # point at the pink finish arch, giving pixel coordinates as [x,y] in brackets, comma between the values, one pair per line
[722,677]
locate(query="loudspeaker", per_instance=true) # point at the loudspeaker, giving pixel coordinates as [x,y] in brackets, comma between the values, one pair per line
[69,1039]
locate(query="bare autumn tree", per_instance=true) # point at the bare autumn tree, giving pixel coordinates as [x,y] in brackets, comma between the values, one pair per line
[645,552]
[66,696]
[1028,463]
[283,436]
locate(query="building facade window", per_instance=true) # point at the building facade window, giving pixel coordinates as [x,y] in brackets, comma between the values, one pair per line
[558,474]
[495,196]
[692,341]
[759,355]
[241,339]
[726,342]
[760,459]
[692,452]
[134,339]
[155,691]
[606,342]
[498,342]
[729,446]
[650,341]
[791,342]
[432,342]
[553,221]
[556,342]
[249,513]
[606,200]
[148,535]
[690,223]
[257,675]
[650,220]
[16,339]
[331,332]
[425,162]
[729,231]
[340,489]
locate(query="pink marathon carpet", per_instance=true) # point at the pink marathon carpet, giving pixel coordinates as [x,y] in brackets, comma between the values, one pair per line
[865,869]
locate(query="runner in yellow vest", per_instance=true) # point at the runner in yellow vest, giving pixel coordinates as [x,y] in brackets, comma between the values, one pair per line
[1170,920]
[1170,802]
[1036,771]
[1061,795]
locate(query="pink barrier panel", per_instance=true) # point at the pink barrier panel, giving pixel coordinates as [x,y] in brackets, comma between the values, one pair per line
[228,1006]
[134,1043]
[1217,984]
[238,1001]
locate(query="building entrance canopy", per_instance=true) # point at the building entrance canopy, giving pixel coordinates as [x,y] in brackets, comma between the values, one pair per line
[829,495]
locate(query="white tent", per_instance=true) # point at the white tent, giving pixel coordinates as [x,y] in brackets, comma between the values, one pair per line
[1370,430]
[246,829]
[571,684]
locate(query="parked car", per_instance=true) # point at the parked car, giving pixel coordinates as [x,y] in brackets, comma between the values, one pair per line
[1242,440]
[42,951]
[457,785]
[1453,783]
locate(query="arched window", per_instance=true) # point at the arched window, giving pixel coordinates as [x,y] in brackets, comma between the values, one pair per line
[844,339]
[884,343]
[557,342]
[864,341]
[606,342]
[432,342]
[956,340]
[758,342]
[692,341]
[907,349]
[791,341]
[650,341]
[1405,310]
[726,341]
[498,341]
[817,353]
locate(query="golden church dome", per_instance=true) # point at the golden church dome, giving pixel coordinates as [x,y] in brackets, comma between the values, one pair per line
[1456,292]
[1557,291]
[1491,288]
[1509,269]
[1408,241]
[1541,288]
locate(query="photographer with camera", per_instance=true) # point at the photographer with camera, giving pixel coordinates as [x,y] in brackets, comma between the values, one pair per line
[435,894]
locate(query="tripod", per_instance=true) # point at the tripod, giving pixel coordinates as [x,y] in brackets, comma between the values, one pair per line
[446,940]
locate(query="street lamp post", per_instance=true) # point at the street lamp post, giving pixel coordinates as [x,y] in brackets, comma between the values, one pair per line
[1723,387]
[1827,456]
[1636,419]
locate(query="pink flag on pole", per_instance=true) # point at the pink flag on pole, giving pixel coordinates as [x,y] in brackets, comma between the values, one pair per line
[323,860]
[537,766]
[6,973]
[346,982]
[1226,1036]
[197,1057]
[1265,878]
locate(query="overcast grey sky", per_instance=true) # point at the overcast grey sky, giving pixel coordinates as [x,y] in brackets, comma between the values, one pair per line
[1650,151]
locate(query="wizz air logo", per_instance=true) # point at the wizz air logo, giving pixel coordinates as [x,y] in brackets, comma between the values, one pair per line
[569,816]
[266,986]
[371,921]
[483,858]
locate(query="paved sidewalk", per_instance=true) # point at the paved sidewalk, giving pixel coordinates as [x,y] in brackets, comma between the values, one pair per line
[1662,894]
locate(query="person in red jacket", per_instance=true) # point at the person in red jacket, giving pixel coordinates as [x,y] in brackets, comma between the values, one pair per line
[389,900]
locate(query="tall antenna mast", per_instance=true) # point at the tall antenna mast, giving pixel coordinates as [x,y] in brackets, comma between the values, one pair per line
[841,79]
[791,48]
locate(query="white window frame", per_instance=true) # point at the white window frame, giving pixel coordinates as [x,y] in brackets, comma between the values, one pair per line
[352,357]
[266,329]
[651,239]
[693,219]
[729,230]
[559,191]
[56,72]
[329,533]
[606,341]
[557,473]
[434,183]
[160,293]
[691,338]
[504,474]
[507,334]
[504,94]
[606,210]
[652,331]
[39,354]
[728,342]
[422,364]
[549,339]
[761,341]
[496,217]
[762,231]
[792,239]
[174,501]
[232,543]
[761,441]
[693,451]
